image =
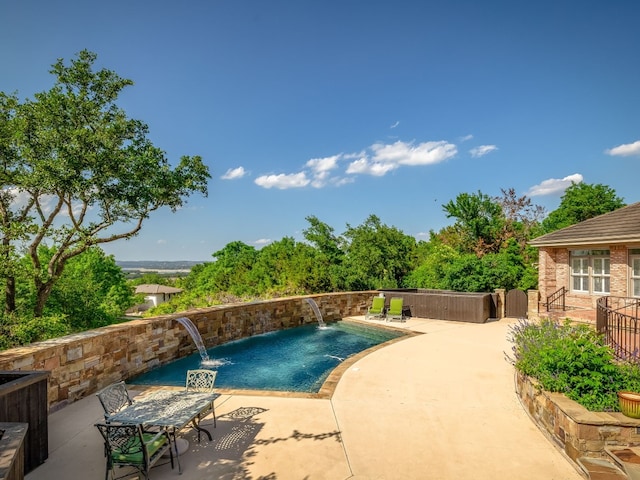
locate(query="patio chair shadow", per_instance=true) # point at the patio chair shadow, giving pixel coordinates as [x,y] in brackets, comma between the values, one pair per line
[229,455]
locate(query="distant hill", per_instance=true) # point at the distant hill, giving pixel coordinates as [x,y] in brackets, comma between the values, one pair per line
[159,265]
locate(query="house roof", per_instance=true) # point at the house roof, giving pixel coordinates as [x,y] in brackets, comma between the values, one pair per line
[620,226]
[155,288]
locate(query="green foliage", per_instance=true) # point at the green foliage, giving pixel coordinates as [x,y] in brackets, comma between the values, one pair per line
[377,256]
[22,330]
[325,258]
[431,270]
[231,270]
[574,360]
[580,202]
[469,273]
[479,219]
[91,292]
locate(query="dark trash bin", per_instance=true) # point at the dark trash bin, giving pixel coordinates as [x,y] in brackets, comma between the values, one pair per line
[23,398]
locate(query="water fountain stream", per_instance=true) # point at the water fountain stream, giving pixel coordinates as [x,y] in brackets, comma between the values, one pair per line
[195,335]
[314,307]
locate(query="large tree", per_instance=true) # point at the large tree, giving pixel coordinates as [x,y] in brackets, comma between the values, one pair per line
[329,256]
[580,202]
[377,256]
[77,172]
[479,222]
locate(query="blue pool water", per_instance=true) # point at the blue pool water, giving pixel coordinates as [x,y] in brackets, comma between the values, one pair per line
[296,359]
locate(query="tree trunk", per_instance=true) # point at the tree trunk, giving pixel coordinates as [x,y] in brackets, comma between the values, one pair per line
[10,295]
[43,292]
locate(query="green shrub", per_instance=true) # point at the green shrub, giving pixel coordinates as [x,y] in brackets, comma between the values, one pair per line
[573,360]
[16,331]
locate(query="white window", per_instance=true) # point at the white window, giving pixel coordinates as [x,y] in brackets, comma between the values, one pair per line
[634,259]
[601,275]
[590,271]
[580,274]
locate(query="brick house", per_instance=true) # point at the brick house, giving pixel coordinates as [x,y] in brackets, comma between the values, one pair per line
[595,258]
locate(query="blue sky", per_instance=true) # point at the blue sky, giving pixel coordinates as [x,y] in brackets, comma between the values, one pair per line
[345,108]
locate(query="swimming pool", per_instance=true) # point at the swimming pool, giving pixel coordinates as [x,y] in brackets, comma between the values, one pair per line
[296,359]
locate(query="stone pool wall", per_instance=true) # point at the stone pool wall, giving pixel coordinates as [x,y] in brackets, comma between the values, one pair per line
[83,363]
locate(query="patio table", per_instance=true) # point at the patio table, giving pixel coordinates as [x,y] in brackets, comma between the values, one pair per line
[170,409]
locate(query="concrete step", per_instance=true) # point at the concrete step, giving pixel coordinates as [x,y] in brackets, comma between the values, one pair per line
[601,469]
[627,458]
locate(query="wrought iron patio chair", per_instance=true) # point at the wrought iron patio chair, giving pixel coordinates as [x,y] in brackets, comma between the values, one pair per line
[376,310]
[202,380]
[396,309]
[127,445]
[114,398]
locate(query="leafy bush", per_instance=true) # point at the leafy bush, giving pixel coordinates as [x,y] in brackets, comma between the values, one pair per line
[15,331]
[573,360]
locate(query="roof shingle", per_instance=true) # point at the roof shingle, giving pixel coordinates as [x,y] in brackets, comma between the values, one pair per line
[620,226]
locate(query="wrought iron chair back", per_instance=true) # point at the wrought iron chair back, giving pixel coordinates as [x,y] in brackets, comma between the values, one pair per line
[114,398]
[127,445]
[202,380]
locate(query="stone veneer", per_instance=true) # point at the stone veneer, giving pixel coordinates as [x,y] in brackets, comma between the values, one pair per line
[83,363]
[576,430]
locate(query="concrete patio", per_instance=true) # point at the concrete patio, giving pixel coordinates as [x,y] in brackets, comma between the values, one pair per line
[440,405]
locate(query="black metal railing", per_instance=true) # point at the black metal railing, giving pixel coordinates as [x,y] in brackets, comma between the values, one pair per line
[617,318]
[556,301]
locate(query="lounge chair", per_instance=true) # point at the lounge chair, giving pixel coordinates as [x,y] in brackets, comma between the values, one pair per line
[395,310]
[114,398]
[202,380]
[127,445]
[376,310]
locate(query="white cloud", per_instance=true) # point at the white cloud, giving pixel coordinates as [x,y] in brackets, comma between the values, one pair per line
[383,159]
[395,124]
[625,150]
[367,167]
[234,173]
[283,181]
[482,150]
[340,181]
[161,242]
[466,138]
[554,186]
[405,153]
[321,165]
[262,241]
[321,168]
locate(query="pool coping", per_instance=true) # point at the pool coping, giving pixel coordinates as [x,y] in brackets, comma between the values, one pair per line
[328,387]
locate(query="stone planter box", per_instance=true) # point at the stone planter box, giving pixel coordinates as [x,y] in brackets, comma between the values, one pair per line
[577,431]
[23,399]
[12,437]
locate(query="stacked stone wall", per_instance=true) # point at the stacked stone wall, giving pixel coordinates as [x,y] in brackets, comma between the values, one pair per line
[83,363]
[577,431]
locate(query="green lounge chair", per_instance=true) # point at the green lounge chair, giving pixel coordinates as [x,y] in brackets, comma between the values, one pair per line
[395,311]
[376,310]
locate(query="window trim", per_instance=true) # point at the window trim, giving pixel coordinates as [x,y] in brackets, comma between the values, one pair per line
[634,254]
[590,277]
